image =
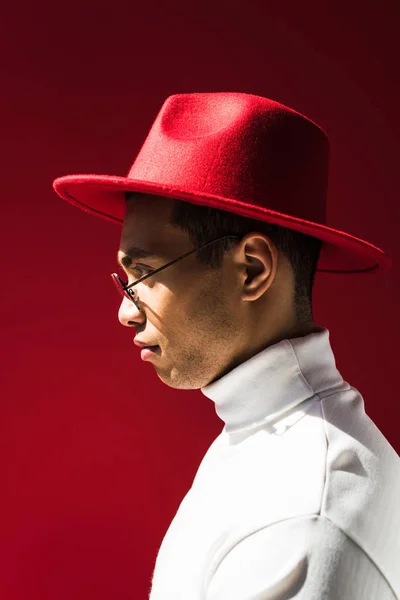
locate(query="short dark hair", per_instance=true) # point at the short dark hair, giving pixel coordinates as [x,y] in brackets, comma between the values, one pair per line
[204,223]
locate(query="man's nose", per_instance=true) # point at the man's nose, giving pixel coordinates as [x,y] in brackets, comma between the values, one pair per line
[128,314]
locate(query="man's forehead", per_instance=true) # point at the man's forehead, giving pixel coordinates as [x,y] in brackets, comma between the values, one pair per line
[142,236]
[147,232]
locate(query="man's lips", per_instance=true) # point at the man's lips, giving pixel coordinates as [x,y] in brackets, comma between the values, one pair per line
[148,352]
[143,345]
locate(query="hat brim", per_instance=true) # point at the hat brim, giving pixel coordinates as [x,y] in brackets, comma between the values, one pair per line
[104,196]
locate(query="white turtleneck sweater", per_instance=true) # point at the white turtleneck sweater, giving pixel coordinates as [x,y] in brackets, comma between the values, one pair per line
[298,496]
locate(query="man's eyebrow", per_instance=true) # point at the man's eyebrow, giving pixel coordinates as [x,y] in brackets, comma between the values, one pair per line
[133,253]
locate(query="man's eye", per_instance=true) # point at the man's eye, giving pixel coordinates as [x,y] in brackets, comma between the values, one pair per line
[139,271]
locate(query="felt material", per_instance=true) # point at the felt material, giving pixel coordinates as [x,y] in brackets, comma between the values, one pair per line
[236,152]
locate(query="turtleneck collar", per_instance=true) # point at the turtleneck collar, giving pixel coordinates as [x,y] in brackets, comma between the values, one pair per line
[275,381]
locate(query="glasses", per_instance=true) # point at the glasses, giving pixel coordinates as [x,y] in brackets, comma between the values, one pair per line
[126,290]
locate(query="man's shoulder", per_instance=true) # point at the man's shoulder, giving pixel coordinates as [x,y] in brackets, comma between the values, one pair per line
[362,488]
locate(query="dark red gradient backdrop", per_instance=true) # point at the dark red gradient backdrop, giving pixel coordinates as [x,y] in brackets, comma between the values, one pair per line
[96,453]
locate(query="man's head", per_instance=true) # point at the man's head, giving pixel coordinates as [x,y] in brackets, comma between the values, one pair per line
[216,308]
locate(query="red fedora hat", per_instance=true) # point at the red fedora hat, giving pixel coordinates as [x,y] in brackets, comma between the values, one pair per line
[235,152]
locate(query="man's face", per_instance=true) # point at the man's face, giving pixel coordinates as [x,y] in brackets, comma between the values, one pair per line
[188,310]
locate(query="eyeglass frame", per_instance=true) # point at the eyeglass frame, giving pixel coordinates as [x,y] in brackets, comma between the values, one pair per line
[125,289]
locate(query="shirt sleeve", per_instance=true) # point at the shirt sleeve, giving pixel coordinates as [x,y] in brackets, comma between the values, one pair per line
[304,558]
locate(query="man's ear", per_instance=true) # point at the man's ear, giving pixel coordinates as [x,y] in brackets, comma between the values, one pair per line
[257,259]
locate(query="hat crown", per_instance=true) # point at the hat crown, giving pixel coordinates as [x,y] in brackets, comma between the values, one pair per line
[239,146]
[193,116]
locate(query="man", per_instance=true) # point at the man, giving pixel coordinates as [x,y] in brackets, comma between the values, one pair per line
[223,229]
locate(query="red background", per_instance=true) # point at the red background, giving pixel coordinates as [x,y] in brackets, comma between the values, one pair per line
[96,453]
